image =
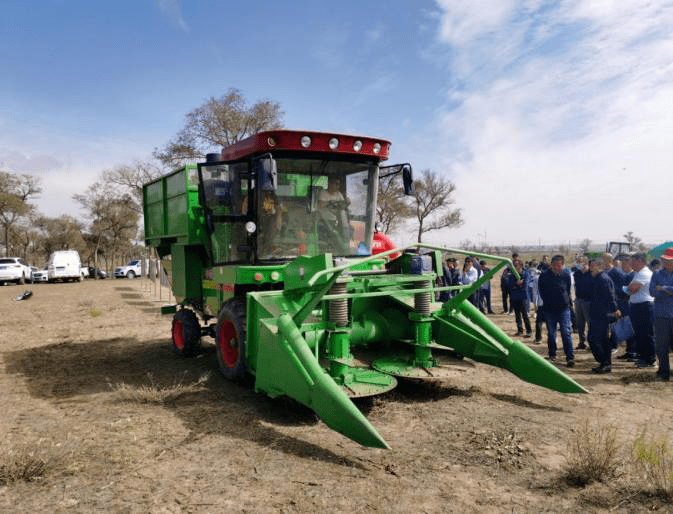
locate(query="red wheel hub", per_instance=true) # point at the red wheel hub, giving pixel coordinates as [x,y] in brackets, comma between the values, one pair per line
[228,344]
[178,336]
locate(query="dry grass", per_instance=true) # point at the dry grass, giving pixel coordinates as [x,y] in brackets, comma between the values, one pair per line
[31,461]
[157,393]
[653,462]
[592,454]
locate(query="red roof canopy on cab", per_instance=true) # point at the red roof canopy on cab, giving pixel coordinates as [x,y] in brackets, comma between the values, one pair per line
[275,140]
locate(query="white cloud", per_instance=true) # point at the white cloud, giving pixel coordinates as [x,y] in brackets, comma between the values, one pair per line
[559,102]
[171,8]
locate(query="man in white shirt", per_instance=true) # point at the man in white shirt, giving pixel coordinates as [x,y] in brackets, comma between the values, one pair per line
[469,276]
[641,309]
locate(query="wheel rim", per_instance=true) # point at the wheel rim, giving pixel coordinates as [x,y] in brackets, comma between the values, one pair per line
[228,344]
[178,336]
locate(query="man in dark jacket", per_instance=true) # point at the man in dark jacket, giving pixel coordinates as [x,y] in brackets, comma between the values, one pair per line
[554,285]
[583,281]
[451,278]
[602,310]
[518,291]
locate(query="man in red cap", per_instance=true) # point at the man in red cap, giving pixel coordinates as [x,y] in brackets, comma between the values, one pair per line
[661,287]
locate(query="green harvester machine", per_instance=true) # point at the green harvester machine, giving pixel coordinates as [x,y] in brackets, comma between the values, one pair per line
[270,248]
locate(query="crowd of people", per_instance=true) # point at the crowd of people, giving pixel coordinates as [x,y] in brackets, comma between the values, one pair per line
[607,301]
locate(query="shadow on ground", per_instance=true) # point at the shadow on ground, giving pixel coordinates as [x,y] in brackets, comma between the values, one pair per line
[64,371]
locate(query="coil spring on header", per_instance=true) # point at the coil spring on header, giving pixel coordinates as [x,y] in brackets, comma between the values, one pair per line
[338,309]
[422,300]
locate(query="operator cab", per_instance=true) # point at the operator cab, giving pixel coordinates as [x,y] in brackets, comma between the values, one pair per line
[270,198]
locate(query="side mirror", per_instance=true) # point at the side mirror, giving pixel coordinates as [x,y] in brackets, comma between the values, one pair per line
[408,179]
[267,173]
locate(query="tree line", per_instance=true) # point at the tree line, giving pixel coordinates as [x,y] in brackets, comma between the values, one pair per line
[108,232]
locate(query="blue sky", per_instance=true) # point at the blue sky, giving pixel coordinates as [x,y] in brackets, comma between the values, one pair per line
[554,119]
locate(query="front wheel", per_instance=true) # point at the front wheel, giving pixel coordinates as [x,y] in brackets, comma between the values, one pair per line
[230,339]
[131,275]
[186,333]
[22,280]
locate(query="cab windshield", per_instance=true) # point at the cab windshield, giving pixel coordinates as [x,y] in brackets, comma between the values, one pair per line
[319,206]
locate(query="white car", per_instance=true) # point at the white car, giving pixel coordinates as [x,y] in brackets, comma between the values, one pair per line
[131,270]
[41,275]
[14,269]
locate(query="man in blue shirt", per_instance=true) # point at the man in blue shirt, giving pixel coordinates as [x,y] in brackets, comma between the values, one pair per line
[661,287]
[554,285]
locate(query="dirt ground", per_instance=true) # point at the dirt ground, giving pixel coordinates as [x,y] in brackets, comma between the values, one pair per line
[478,441]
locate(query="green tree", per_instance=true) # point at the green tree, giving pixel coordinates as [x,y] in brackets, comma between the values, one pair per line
[433,202]
[16,191]
[113,218]
[217,123]
[61,233]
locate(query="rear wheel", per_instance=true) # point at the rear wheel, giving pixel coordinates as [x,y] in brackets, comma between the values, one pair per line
[186,333]
[230,339]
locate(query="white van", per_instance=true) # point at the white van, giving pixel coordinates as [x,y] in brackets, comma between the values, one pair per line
[64,265]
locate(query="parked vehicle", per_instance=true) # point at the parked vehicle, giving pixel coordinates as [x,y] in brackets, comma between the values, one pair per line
[41,275]
[132,270]
[65,266]
[14,269]
[97,272]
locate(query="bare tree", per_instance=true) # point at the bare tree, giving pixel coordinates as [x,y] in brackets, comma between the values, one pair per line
[585,244]
[15,193]
[432,203]
[633,240]
[129,180]
[391,207]
[217,123]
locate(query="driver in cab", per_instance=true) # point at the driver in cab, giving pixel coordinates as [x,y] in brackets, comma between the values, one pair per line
[331,201]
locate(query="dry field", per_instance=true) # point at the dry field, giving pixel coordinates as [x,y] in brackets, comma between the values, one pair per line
[98,415]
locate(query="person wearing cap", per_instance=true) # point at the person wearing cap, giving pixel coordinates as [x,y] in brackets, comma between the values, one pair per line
[661,288]
[641,307]
[602,311]
[555,285]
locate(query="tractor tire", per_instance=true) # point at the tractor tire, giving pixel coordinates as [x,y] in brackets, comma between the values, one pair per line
[130,275]
[186,333]
[230,339]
